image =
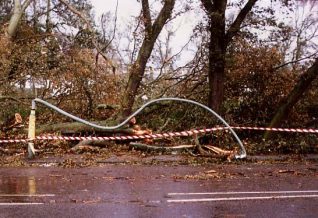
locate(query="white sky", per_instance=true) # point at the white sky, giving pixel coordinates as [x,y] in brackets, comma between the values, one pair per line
[183,24]
[126,8]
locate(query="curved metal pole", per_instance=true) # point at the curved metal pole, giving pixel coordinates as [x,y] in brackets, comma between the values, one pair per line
[241,155]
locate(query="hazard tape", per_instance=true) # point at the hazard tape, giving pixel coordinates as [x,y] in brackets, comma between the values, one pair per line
[6,141]
[154,136]
[276,129]
[113,138]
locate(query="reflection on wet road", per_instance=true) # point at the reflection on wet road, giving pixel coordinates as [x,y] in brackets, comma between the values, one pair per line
[20,190]
[160,191]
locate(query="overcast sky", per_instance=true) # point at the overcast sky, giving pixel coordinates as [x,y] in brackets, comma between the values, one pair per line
[183,24]
[126,8]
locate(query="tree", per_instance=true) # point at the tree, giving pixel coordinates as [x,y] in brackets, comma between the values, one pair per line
[15,19]
[219,40]
[36,48]
[152,31]
[301,87]
[31,29]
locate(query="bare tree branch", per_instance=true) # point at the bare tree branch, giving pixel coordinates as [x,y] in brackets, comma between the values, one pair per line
[89,27]
[26,4]
[146,16]
[78,13]
[134,50]
[4,98]
[138,68]
[114,31]
[295,61]
[111,40]
[235,27]
[163,16]
[207,4]
[300,88]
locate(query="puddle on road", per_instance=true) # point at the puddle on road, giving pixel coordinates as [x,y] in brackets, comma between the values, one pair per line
[27,185]
[31,185]
[18,185]
[17,189]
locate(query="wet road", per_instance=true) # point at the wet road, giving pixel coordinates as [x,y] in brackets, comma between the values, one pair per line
[247,190]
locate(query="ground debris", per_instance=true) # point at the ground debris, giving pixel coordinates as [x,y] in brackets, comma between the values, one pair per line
[11,123]
[286,171]
[210,171]
[84,148]
[204,176]
[159,148]
[12,151]
[92,201]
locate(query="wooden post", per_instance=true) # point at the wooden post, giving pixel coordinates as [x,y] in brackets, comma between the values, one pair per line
[31,134]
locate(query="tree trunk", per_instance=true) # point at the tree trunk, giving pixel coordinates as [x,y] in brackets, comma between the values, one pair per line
[298,91]
[217,49]
[152,32]
[219,40]
[16,17]
[135,77]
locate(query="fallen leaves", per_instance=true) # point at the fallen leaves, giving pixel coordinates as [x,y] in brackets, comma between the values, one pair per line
[210,174]
[87,201]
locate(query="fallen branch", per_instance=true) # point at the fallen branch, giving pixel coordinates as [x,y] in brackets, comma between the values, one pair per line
[218,152]
[4,98]
[199,147]
[230,155]
[92,143]
[10,151]
[84,148]
[13,122]
[161,148]
[78,128]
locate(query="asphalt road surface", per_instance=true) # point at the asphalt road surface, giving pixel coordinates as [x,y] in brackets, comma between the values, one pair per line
[163,190]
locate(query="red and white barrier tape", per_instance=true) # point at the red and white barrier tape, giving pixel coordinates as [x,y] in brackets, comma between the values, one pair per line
[277,129]
[7,141]
[155,136]
[112,138]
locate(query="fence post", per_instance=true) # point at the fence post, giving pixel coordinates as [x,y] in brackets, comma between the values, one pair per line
[31,133]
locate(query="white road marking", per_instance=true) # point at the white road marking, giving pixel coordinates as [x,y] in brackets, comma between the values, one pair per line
[240,198]
[27,195]
[19,204]
[237,193]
